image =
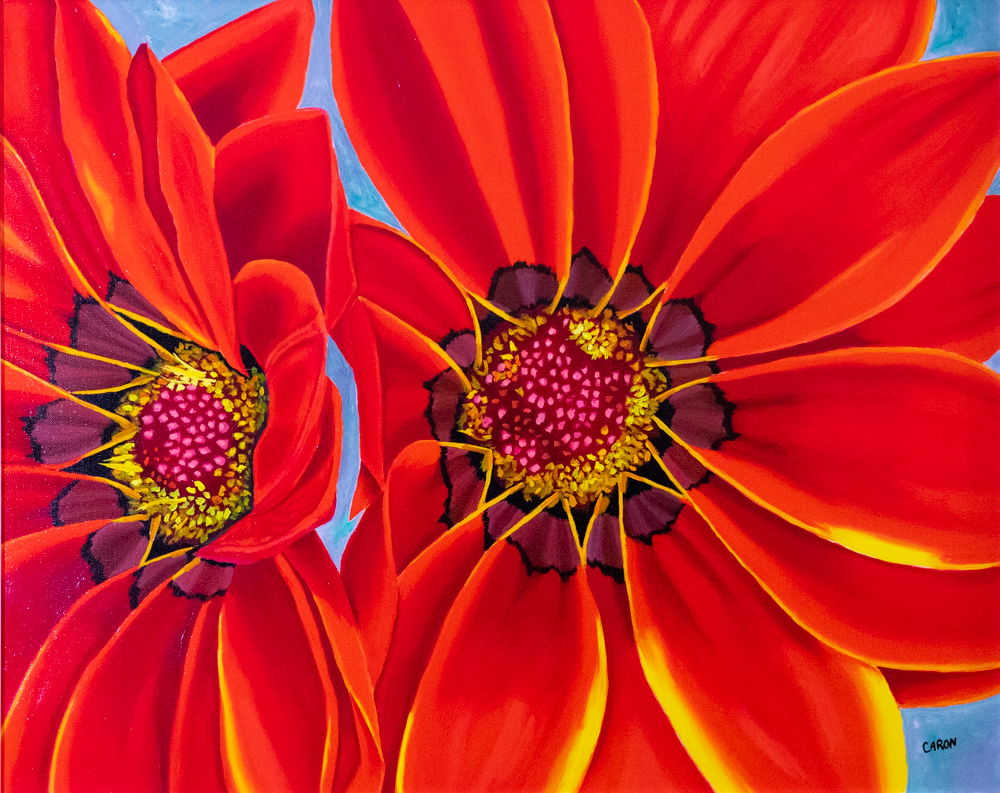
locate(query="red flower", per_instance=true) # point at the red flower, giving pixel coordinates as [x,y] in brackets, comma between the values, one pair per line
[702,537]
[171,440]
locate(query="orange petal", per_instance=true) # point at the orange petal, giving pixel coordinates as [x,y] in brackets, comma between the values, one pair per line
[884,451]
[714,644]
[427,590]
[461,117]
[884,613]
[638,749]
[252,67]
[279,718]
[920,689]
[274,191]
[954,307]
[515,687]
[832,219]
[396,274]
[178,180]
[613,109]
[732,72]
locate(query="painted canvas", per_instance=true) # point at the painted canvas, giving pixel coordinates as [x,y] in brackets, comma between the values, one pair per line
[501,395]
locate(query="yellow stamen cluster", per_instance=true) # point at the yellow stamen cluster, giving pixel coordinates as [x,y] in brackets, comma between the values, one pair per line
[189,461]
[565,403]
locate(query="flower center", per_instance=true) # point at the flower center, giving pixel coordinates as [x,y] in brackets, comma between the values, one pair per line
[565,403]
[190,461]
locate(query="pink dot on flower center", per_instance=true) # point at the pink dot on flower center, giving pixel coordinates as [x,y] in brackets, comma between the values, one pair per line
[559,402]
[184,436]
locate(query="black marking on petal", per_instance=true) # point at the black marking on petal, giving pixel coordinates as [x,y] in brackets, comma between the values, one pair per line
[212,576]
[522,287]
[151,575]
[115,545]
[702,416]
[122,294]
[456,344]
[451,462]
[588,281]
[63,447]
[616,574]
[656,510]
[680,331]
[83,500]
[547,544]
[631,290]
[442,417]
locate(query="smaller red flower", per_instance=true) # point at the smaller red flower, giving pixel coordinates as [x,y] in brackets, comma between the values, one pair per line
[171,438]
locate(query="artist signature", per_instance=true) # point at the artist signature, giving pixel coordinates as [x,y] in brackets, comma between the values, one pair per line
[939,744]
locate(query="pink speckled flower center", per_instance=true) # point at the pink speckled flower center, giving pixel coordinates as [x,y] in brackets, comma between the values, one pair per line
[184,436]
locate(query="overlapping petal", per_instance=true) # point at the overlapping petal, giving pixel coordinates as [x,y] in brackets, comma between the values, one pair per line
[516,709]
[731,73]
[713,643]
[793,250]
[883,451]
[252,67]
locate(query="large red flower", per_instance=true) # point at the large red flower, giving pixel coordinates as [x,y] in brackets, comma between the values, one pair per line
[171,621]
[664,475]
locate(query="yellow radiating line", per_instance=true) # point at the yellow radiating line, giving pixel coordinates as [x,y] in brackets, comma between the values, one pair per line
[466,447]
[656,456]
[658,485]
[498,311]
[652,364]
[649,327]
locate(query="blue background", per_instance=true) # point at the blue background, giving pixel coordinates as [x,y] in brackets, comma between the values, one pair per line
[960,26]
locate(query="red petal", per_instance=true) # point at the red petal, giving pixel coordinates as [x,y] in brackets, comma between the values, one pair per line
[461,117]
[276,716]
[92,64]
[638,749]
[396,274]
[275,187]
[31,121]
[370,581]
[314,567]
[919,689]
[392,363]
[23,397]
[833,218]
[297,457]
[126,697]
[252,67]
[887,614]
[32,723]
[613,108]
[177,169]
[714,645]
[44,575]
[426,592]
[294,505]
[515,687]
[890,453]
[196,738]
[41,280]
[732,72]
[954,307]
[32,498]
[415,500]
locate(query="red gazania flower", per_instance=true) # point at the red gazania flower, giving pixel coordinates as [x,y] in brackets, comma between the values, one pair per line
[171,440]
[646,538]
